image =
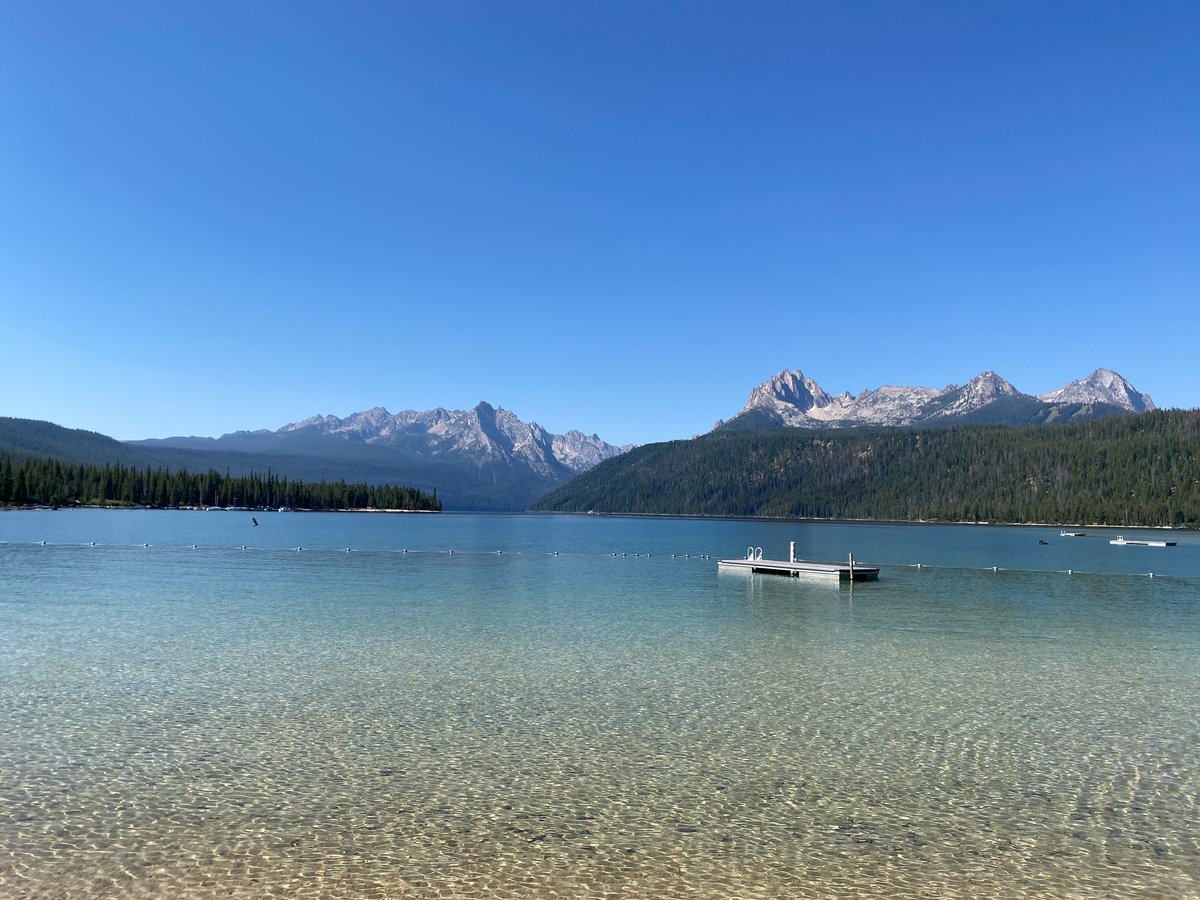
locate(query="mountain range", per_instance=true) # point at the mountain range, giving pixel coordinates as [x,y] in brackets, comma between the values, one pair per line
[484,458]
[792,400]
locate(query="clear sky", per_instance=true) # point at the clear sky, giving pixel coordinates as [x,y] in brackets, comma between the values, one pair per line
[612,216]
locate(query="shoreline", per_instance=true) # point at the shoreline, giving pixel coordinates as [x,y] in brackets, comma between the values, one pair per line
[836,521]
[684,516]
[243,509]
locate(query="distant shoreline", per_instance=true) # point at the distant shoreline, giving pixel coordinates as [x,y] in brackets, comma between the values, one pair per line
[242,509]
[832,521]
[614,515]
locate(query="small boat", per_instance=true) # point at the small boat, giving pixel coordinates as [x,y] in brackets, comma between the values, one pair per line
[1121,542]
[1072,534]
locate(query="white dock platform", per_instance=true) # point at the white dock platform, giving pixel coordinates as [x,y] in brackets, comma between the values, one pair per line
[796,568]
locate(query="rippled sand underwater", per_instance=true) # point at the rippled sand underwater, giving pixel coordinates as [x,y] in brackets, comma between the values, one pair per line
[291,726]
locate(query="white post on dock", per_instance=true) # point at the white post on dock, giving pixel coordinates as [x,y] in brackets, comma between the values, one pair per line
[852,568]
[792,552]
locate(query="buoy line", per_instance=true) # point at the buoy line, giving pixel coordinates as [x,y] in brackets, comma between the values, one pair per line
[616,554]
[342,551]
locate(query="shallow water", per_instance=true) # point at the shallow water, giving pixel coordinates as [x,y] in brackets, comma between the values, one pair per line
[206,721]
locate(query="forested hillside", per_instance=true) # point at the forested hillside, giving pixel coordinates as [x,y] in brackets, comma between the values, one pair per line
[1135,470]
[26,481]
[33,438]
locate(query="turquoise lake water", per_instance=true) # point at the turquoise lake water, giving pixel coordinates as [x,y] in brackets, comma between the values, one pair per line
[594,711]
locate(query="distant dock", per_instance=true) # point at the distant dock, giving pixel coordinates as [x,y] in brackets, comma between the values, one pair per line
[797,568]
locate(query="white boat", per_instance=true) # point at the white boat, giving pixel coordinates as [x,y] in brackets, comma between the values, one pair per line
[1071,534]
[1121,542]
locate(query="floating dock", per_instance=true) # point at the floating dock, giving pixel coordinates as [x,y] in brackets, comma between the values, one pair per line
[1121,542]
[797,568]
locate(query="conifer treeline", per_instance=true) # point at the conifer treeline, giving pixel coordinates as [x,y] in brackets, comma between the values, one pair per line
[1133,470]
[57,483]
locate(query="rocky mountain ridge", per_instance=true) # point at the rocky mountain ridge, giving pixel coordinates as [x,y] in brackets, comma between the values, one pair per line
[791,399]
[1102,386]
[481,458]
[484,432]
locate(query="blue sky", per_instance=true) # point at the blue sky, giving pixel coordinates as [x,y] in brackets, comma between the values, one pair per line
[612,216]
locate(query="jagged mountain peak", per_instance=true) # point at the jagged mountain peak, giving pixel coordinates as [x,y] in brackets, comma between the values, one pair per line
[317,422]
[485,433]
[956,402]
[1102,386]
[376,416]
[990,383]
[985,384]
[579,452]
[788,398]
[792,399]
[789,386]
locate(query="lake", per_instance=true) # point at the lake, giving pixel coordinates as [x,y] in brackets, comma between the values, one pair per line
[582,706]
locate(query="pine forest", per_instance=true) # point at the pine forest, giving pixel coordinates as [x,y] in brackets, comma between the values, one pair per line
[50,482]
[1130,470]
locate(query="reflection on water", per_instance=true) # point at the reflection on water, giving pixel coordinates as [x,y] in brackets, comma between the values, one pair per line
[379,724]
